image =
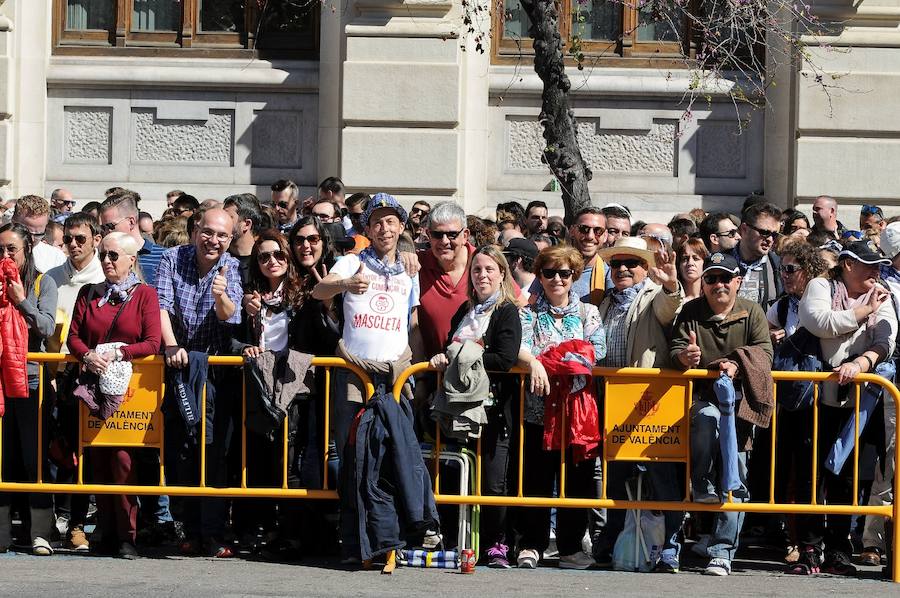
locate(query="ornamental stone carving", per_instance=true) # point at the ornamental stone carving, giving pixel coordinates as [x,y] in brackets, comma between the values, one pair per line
[605,150]
[88,131]
[180,141]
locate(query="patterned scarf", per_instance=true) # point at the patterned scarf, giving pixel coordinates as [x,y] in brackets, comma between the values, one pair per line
[622,300]
[570,309]
[375,264]
[275,302]
[841,301]
[118,292]
[488,304]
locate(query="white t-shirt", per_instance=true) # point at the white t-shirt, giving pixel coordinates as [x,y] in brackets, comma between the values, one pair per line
[274,332]
[376,323]
[47,257]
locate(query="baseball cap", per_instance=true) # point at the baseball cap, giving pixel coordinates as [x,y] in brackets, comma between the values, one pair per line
[383,200]
[721,261]
[864,251]
[522,248]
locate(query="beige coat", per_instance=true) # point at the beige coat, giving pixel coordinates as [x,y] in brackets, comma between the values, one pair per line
[649,322]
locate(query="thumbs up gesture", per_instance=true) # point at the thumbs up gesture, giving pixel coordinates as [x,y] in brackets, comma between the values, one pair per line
[220,283]
[358,283]
[690,355]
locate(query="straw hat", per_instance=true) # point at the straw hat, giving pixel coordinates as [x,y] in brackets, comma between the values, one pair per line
[629,246]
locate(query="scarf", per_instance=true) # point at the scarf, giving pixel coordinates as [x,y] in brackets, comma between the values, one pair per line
[488,304]
[841,301]
[118,292]
[374,263]
[474,324]
[622,300]
[571,309]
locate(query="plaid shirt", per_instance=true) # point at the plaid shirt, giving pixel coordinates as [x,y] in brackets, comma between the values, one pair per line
[189,299]
[616,339]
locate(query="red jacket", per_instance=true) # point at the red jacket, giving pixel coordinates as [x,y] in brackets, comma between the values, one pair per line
[13,339]
[569,365]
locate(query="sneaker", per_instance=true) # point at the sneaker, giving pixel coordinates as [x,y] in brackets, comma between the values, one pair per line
[432,540]
[552,551]
[699,547]
[668,562]
[497,556]
[62,525]
[579,560]
[78,540]
[128,551]
[718,566]
[41,547]
[528,559]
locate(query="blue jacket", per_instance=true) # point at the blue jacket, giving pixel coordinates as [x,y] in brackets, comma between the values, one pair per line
[384,487]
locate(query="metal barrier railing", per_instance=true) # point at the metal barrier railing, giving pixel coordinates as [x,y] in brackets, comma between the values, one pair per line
[648,379]
[152,368]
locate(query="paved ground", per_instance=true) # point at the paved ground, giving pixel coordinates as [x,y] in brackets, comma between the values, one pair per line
[155,576]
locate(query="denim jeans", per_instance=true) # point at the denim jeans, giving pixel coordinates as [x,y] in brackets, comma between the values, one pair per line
[705,468]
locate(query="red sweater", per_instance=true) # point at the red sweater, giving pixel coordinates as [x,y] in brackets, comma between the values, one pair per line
[138,326]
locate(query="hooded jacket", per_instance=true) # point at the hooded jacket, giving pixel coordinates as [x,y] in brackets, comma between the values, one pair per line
[13,340]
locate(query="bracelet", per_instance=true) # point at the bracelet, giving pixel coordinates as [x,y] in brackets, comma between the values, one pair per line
[871,363]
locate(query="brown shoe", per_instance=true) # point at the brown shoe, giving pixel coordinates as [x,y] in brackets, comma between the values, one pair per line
[870,557]
[78,540]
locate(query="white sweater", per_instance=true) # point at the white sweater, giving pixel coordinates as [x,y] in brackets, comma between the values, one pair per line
[69,282]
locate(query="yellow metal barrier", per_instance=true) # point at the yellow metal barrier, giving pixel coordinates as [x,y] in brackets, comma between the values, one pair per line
[668,385]
[157,363]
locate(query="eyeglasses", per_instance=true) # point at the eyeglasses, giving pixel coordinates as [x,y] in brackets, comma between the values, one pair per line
[438,235]
[584,229]
[311,239]
[870,210]
[632,263]
[264,256]
[111,226]
[551,273]
[765,234]
[208,233]
[790,268]
[113,255]
[9,250]
[178,211]
[282,204]
[712,279]
[80,239]
[731,233]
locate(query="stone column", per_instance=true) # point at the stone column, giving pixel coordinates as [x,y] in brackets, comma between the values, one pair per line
[6,99]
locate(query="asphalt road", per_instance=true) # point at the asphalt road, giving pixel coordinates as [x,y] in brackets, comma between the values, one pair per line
[70,575]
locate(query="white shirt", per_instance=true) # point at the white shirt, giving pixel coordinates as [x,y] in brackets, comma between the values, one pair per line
[274,331]
[376,323]
[47,257]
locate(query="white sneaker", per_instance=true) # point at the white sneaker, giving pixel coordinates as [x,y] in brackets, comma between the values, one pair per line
[41,547]
[62,525]
[718,566]
[579,560]
[587,545]
[528,559]
[432,540]
[699,547]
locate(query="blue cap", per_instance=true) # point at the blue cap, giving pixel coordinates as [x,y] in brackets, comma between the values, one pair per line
[383,200]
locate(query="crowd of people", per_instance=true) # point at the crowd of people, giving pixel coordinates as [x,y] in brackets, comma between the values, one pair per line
[280,278]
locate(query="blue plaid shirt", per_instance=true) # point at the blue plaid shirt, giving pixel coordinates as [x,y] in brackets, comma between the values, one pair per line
[189,299]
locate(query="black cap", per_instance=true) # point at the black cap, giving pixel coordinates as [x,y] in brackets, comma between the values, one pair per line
[522,248]
[866,252]
[721,261]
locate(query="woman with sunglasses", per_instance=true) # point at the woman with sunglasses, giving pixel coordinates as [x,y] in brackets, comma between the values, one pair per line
[556,315]
[853,316]
[490,317]
[34,297]
[690,258]
[121,309]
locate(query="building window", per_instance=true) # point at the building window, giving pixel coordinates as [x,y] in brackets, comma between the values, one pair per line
[283,28]
[609,31]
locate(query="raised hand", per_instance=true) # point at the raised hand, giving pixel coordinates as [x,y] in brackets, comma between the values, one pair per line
[16,291]
[252,303]
[220,283]
[665,272]
[358,283]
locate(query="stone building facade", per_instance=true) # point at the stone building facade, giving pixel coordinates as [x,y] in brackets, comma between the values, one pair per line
[384,94]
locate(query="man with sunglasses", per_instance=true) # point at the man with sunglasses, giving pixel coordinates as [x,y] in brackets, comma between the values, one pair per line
[33,212]
[760,266]
[637,313]
[81,235]
[61,203]
[719,231]
[286,200]
[824,211]
[119,212]
[418,216]
[871,218]
[708,330]
[588,236]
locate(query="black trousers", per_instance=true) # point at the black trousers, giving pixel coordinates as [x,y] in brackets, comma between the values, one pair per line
[540,473]
[499,477]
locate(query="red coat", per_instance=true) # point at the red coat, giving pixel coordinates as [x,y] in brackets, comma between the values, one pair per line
[565,364]
[13,339]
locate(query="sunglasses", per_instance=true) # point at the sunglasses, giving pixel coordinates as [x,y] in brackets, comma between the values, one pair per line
[263,257]
[714,278]
[416,211]
[585,229]
[80,239]
[68,204]
[437,235]
[110,226]
[282,204]
[870,210]
[852,234]
[730,233]
[311,239]
[632,263]
[790,268]
[765,234]
[113,255]
[551,273]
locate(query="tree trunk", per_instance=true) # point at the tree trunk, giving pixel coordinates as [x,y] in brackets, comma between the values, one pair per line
[561,152]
